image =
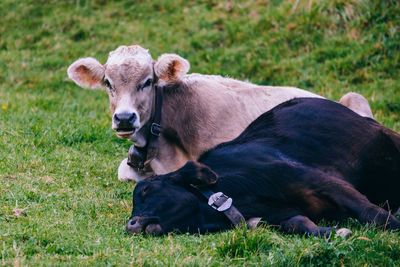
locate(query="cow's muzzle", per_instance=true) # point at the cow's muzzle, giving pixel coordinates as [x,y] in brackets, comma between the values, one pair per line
[124,123]
[149,225]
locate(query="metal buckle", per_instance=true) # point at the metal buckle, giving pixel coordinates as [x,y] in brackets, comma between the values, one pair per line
[219,201]
[155,129]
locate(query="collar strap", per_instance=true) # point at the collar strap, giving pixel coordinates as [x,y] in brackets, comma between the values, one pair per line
[139,157]
[155,127]
[222,203]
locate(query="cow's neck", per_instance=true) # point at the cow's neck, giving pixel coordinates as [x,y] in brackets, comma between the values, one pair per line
[185,114]
[197,116]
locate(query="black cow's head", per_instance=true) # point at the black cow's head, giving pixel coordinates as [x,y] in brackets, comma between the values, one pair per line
[166,203]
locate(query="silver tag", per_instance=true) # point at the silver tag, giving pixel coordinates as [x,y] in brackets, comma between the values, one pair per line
[215,197]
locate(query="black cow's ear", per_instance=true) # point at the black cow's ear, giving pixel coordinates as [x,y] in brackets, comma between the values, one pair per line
[194,173]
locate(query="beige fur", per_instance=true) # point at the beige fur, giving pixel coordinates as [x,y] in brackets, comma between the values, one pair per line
[199,111]
[357,103]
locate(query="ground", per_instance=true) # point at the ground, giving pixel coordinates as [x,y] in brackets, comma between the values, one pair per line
[60,200]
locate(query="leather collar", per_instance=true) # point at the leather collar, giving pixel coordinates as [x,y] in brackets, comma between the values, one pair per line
[222,203]
[139,157]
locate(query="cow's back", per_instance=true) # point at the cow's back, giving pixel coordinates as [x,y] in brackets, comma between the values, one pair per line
[321,134]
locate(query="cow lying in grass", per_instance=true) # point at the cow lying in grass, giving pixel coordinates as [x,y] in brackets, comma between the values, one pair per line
[305,160]
[198,111]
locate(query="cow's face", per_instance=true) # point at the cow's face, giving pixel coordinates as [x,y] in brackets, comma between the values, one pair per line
[129,76]
[166,203]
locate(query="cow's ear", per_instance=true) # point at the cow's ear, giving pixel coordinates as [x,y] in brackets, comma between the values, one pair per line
[170,68]
[194,173]
[87,73]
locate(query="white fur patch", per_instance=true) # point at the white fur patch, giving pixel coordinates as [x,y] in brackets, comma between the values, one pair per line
[141,55]
[126,173]
[124,106]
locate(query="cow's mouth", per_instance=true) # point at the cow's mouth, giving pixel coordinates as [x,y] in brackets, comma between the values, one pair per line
[125,133]
[148,225]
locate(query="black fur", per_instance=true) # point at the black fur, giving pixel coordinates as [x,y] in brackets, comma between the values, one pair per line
[306,159]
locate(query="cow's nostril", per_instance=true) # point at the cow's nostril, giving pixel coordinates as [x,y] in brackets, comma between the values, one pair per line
[125,121]
[116,118]
[132,118]
[134,227]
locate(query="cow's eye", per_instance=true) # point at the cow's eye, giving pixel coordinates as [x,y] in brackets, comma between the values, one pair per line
[145,190]
[146,84]
[108,85]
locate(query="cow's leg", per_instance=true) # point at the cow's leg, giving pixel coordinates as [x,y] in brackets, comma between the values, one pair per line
[127,173]
[357,205]
[366,212]
[303,225]
[376,215]
[357,103]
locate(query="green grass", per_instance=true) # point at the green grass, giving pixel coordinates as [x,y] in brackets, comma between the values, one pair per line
[59,156]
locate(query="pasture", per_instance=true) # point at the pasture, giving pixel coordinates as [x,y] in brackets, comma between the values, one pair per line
[60,200]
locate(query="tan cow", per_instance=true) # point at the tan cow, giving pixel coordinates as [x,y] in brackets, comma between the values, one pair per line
[198,112]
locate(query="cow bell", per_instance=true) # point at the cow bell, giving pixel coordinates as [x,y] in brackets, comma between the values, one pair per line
[137,157]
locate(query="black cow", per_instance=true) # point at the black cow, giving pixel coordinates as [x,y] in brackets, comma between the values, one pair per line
[307,159]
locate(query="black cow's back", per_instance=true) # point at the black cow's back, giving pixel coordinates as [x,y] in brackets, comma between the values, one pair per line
[321,134]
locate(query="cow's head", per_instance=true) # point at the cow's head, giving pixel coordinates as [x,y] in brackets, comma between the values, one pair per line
[165,203]
[129,76]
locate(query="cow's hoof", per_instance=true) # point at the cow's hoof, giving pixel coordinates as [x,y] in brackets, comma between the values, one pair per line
[126,173]
[397,213]
[343,233]
[253,222]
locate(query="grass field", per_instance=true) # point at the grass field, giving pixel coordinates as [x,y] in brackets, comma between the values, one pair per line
[60,200]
